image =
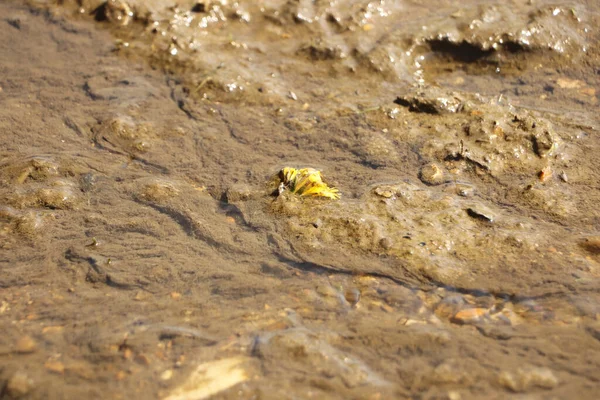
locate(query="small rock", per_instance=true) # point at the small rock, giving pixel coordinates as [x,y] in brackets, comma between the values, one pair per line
[524,379]
[55,366]
[18,385]
[142,359]
[53,330]
[166,375]
[591,244]
[543,142]
[384,191]
[464,190]
[26,345]
[386,243]
[211,378]
[238,192]
[454,395]
[431,174]
[566,83]
[545,174]
[449,371]
[470,316]
[431,100]
[141,296]
[159,190]
[352,296]
[175,295]
[563,177]
[482,213]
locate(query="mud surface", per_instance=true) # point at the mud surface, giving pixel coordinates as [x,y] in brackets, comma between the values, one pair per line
[147,249]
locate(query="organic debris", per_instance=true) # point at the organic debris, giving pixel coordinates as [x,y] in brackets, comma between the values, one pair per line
[306,182]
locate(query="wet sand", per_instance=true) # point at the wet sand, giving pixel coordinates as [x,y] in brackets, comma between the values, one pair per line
[147,249]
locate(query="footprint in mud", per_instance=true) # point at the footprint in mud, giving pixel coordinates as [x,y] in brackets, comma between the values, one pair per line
[195,211]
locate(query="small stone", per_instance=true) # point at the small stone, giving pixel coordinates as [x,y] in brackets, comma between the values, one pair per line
[352,296]
[52,330]
[81,370]
[141,296]
[469,316]
[127,353]
[454,395]
[588,91]
[479,212]
[238,192]
[384,191]
[211,378]
[464,190]
[166,375]
[18,385]
[26,345]
[449,372]
[431,174]
[524,379]
[591,244]
[175,295]
[386,243]
[566,83]
[545,174]
[544,142]
[563,177]
[142,359]
[55,366]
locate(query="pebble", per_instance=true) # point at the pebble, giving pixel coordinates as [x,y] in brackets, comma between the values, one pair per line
[142,359]
[431,174]
[386,243]
[238,192]
[166,375]
[524,379]
[384,191]
[175,295]
[53,330]
[566,83]
[211,378]
[352,296]
[26,345]
[465,190]
[478,211]
[469,316]
[545,174]
[591,244]
[55,366]
[18,385]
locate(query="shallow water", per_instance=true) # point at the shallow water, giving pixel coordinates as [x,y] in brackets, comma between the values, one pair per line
[146,253]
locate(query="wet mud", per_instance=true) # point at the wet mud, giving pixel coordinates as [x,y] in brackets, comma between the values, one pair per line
[149,247]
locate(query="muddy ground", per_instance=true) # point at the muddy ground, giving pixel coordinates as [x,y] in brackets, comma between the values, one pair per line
[147,249]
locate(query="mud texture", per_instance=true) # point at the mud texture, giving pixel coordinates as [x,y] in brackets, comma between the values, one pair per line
[148,250]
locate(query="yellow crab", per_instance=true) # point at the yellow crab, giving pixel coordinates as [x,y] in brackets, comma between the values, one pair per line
[306,182]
